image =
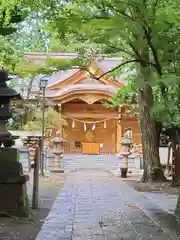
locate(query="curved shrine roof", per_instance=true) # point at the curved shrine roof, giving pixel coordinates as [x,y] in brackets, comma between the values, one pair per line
[82,87]
[59,78]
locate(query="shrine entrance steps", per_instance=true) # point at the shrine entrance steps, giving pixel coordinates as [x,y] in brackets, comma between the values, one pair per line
[94,162]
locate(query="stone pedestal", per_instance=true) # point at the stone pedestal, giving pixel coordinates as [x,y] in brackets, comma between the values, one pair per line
[13,192]
[57,143]
[123,166]
[123,156]
[57,167]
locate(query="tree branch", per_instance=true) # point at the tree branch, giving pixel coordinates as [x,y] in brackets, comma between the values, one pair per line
[142,60]
[120,49]
[117,67]
[155,55]
[92,74]
[112,70]
[110,6]
[156,3]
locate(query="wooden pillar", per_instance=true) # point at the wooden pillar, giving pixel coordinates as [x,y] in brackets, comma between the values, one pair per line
[119,134]
[119,130]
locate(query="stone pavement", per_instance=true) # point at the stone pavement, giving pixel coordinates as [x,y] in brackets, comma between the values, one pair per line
[95,205]
[97,162]
[165,201]
[79,161]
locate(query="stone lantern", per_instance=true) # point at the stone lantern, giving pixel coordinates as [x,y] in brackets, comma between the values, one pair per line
[58,151]
[6,95]
[13,198]
[126,145]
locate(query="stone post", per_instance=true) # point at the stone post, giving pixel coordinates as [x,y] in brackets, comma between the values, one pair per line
[58,152]
[126,143]
[13,198]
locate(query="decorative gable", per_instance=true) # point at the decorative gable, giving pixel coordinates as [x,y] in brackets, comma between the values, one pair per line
[90,80]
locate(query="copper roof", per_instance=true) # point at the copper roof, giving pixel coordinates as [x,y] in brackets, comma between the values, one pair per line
[83,87]
[60,76]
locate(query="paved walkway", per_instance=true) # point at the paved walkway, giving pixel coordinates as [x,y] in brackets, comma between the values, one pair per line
[95,205]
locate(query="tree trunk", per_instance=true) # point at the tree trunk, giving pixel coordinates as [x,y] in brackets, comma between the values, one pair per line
[168,169]
[158,130]
[152,166]
[177,210]
[145,162]
[175,163]
[174,134]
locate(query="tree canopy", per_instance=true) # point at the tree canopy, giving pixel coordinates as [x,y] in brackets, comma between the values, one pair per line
[139,32]
[52,120]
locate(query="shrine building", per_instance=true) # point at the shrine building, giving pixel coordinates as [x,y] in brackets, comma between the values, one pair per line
[92,128]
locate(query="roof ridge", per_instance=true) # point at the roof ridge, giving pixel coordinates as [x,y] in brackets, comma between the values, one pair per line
[68,54]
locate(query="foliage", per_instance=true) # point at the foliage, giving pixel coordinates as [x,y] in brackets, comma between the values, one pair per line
[22,23]
[25,69]
[31,35]
[52,120]
[10,15]
[167,105]
[126,95]
[141,36]
[29,70]
[134,30]
[8,55]
[130,28]
[20,111]
[115,24]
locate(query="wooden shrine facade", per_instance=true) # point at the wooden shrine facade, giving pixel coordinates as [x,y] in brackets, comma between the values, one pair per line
[92,128]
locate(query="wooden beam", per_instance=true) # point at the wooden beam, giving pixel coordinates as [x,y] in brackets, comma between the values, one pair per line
[88,115]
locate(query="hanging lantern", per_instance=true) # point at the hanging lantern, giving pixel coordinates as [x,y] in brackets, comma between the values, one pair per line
[94,126]
[73,124]
[105,125]
[85,126]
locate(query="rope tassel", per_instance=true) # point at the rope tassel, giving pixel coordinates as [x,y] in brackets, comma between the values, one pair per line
[94,126]
[85,126]
[73,124]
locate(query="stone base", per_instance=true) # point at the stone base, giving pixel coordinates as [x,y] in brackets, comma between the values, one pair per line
[124,172]
[57,170]
[13,192]
[14,200]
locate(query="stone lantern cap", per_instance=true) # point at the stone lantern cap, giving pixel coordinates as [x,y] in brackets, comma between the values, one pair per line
[58,139]
[5,91]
